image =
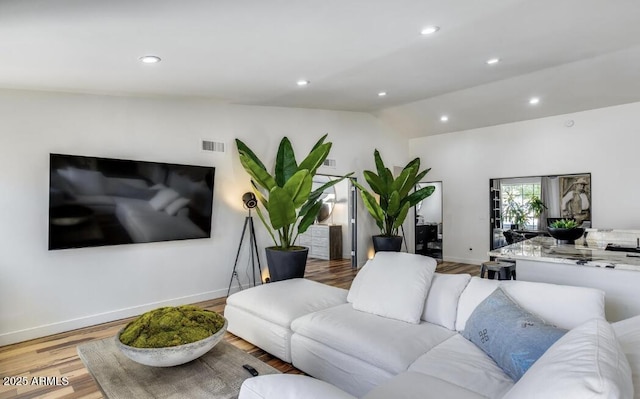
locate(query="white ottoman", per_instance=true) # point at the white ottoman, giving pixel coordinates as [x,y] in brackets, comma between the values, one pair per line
[262,315]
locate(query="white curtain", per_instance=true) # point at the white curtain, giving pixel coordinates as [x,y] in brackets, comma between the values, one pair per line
[550,195]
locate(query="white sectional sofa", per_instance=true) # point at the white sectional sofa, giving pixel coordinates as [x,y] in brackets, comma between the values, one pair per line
[399,332]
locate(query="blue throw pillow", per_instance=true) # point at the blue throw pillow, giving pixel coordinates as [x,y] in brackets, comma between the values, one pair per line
[511,336]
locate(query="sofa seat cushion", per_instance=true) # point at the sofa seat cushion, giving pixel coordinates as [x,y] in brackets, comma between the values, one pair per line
[282,302]
[389,344]
[348,373]
[262,315]
[460,362]
[587,362]
[412,385]
[289,386]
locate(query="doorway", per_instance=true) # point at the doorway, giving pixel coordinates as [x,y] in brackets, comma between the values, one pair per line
[333,234]
[428,223]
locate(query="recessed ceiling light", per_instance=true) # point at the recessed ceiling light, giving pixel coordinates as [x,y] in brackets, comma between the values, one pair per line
[382,94]
[303,82]
[492,61]
[149,59]
[534,100]
[444,118]
[429,30]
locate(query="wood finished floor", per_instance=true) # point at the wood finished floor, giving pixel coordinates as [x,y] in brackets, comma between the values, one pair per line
[56,356]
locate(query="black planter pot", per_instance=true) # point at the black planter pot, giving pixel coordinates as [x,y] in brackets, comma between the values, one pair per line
[284,265]
[569,235]
[385,243]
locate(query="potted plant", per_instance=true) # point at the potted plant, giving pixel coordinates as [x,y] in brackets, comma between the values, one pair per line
[515,211]
[535,206]
[287,206]
[565,230]
[390,209]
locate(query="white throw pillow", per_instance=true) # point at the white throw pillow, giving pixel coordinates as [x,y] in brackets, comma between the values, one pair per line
[441,306]
[395,285]
[176,205]
[587,362]
[164,197]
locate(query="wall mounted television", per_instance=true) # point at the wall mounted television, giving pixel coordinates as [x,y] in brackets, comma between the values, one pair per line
[102,201]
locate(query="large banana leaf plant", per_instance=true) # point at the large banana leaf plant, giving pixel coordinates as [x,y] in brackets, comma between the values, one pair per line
[394,196]
[287,205]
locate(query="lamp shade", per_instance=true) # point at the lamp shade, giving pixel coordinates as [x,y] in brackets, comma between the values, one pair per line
[249,200]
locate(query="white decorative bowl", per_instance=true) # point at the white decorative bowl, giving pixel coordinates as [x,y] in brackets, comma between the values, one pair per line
[172,355]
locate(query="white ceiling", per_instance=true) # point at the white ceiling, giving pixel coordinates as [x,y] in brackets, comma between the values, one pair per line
[574,54]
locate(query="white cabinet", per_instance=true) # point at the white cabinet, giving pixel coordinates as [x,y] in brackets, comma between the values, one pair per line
[324,241]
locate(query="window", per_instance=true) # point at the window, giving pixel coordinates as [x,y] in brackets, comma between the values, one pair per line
[515,204]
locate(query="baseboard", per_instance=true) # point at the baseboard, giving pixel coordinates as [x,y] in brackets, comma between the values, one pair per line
[464,260]
[91,320]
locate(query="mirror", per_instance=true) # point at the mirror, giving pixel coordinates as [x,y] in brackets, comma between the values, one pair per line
[521,207]
[328,198]
[428,228]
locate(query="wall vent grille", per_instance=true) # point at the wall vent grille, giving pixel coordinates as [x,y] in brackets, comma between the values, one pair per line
[329,163]
[213,146]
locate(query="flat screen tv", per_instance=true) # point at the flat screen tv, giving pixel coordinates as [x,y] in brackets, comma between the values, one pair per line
[102,201]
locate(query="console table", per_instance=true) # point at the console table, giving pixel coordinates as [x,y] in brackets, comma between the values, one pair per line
[324,241]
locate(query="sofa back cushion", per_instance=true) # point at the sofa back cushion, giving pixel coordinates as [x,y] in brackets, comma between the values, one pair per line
[441,307]
[587,362]
[394,285]
[561,305]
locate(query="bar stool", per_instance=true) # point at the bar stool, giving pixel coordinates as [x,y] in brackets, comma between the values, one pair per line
[504,270]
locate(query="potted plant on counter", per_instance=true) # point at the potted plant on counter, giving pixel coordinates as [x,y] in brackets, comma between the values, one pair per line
[394,198]
[287,206]
[565,230]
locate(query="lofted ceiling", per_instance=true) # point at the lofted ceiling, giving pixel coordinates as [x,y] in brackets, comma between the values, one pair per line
[572,54]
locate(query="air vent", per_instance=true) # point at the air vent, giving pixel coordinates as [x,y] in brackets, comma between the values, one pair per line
[213,146]
[329,163]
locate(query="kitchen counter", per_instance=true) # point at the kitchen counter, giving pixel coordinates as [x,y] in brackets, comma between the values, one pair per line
[583,253]
[585,263]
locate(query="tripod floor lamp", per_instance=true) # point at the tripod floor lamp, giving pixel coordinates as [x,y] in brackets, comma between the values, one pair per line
[250,202]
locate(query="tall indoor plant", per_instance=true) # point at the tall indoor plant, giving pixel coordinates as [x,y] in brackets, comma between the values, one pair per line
[287,205]
[395,198]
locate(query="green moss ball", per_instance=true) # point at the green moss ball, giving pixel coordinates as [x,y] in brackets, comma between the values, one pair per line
[171,326]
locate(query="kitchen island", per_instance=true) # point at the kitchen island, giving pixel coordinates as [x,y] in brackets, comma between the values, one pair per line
[586,263]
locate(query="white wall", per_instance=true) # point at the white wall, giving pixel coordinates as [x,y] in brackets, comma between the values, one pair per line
[604,142]
[43,292]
